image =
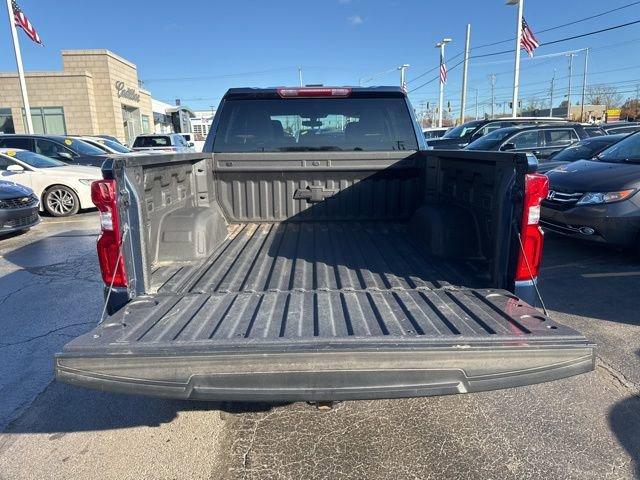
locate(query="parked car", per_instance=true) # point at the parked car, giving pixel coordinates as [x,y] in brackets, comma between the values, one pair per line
[460,136]
[301,300]
[597,199]
[620,127]
[106,145]
[170,142]
[434,132]
[541,140]
[112,138]
[69,150]
[594,130]
[63,189]
[585,149]
[18,208]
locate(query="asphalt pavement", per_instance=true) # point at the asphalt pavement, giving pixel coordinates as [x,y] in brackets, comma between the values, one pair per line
[584,427]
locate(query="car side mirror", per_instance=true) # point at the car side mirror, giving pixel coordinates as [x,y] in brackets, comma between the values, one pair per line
[15,168]
[65,155]
[508,146]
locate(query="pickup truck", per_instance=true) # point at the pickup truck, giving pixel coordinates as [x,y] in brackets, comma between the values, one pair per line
[317,251]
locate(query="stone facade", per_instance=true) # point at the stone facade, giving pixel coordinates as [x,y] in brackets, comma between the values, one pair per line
[97,89]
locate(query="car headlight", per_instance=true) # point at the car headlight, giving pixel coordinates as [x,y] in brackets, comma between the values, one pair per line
[87,181]
[605,197]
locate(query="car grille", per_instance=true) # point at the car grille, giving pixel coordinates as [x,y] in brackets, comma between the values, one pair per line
[19,202]
[560,200]
[21,222]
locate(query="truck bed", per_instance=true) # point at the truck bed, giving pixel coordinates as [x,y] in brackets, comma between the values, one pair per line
[322,311]
[317,256]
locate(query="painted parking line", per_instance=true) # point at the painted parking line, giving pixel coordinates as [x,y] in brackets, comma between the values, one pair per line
[611,274]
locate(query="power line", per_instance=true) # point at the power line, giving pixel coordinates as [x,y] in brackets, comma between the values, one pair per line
[553,42]
[563,25]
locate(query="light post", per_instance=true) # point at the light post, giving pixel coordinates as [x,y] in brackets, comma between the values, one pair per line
[403,81]
[440,46]
[516,68]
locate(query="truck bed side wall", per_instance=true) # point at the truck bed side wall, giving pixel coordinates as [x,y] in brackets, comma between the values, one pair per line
[459,204]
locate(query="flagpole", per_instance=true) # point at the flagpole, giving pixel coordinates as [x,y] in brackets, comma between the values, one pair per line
[516,70]
[23,82]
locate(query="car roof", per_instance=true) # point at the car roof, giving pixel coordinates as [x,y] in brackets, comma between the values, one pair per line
[543,126]
[59,138]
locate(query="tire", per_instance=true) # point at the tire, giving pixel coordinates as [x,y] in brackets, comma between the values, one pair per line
[60,201]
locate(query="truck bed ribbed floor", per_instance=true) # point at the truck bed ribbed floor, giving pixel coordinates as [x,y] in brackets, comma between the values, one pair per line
[316,256]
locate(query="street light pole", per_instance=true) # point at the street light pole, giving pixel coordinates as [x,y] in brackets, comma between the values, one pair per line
[440,46]
[300,76]
[403,81]
[553,84]
[584,83]
[571,55]
[493,93]
[516,68]
[476,104]
[465,71]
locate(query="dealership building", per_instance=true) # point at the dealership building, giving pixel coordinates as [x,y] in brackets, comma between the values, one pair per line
[96,93]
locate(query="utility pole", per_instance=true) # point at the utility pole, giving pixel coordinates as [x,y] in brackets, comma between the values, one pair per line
[584,83]
[571,55]
[465,71]
[516,67]
[300,76]
[637,92]
[403,81]
[476,103]
[553,84]
[493,93]
[440,46]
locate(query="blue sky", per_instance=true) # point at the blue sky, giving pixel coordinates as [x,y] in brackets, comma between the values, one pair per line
[197,49]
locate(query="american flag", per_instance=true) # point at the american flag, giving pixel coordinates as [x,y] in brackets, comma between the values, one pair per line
[23,22]
[443,69]
[528,42]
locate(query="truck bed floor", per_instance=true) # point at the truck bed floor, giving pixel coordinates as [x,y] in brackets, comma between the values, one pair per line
[317,256]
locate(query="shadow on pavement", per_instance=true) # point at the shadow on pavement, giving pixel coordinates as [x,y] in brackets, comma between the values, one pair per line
[590,280]
[624,419]
[64,409]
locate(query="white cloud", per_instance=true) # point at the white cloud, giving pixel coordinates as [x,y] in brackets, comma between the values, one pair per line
[355,20]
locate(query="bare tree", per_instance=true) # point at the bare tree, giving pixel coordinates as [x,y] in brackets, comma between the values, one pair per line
[606,95]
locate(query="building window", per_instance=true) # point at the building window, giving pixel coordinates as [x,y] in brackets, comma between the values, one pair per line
[47,120]
[6,121]
[146,126]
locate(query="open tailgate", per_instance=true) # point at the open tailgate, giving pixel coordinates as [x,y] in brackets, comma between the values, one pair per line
[323,345]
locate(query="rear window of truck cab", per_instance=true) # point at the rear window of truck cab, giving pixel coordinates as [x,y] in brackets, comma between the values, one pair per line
[315,124]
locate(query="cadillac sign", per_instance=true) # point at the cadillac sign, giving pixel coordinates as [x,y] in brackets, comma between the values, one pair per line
[128,93]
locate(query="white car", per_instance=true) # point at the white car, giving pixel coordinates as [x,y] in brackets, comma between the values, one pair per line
[63,189]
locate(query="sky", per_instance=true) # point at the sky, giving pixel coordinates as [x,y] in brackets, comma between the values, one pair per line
[195,50]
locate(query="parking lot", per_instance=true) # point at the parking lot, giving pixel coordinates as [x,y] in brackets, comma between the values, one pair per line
[580,427]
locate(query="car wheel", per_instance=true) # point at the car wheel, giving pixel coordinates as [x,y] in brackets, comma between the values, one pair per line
[61,201]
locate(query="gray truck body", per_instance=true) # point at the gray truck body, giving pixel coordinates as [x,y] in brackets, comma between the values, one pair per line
[320,276]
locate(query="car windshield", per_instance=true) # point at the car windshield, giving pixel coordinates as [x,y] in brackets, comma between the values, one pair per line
[83,148]
[462,130]
[36,160]
[491,140]
[583,150]
[115,146]
[625,151]
[314,124]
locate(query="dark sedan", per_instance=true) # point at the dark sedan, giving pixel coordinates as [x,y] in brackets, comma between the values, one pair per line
[66,149]
[598,199]
[18,208]
[582,150]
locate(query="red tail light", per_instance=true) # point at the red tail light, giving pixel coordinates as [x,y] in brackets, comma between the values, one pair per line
[104,196]
[536,190]
[307,92]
